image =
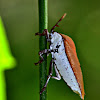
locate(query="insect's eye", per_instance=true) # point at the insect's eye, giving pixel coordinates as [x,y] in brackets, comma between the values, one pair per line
[58,46]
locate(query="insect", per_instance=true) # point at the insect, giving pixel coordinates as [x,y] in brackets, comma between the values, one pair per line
[64,60]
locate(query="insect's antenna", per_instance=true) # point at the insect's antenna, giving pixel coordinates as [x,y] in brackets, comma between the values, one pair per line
[56,25]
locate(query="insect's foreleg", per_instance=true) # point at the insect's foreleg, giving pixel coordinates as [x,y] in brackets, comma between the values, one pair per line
[45,33]
[49,76]
[58,76]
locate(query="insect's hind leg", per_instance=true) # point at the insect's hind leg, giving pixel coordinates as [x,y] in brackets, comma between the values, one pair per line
[49,76]
[58,76]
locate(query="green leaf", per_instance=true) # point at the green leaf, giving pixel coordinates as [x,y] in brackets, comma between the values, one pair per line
[7,61]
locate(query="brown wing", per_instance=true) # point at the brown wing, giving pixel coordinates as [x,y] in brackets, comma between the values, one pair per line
[73,60]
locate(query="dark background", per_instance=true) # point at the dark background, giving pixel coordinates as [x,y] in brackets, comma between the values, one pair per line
[82,24]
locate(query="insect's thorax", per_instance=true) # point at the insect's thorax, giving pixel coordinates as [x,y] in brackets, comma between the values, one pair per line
[57,43]
[56,40]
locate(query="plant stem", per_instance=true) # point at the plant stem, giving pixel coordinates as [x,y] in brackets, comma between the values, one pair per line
[43,24]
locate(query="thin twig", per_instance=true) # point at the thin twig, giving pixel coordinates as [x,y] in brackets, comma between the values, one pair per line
[43,24]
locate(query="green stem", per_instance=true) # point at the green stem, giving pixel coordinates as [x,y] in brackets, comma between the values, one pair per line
[43,24]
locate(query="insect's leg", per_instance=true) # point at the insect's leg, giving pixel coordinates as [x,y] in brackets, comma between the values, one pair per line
[58,76]
[42,34]
[49,76]
[44,52]
[41,53]
[45,33]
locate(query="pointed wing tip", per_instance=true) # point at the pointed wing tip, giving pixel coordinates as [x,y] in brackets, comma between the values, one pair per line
[82,97]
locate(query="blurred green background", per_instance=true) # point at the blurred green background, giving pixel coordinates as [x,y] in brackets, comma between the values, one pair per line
[82,24]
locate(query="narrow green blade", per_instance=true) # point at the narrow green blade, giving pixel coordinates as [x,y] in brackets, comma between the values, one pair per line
[7,61]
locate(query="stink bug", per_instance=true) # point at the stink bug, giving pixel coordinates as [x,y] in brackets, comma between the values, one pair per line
[64,60]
